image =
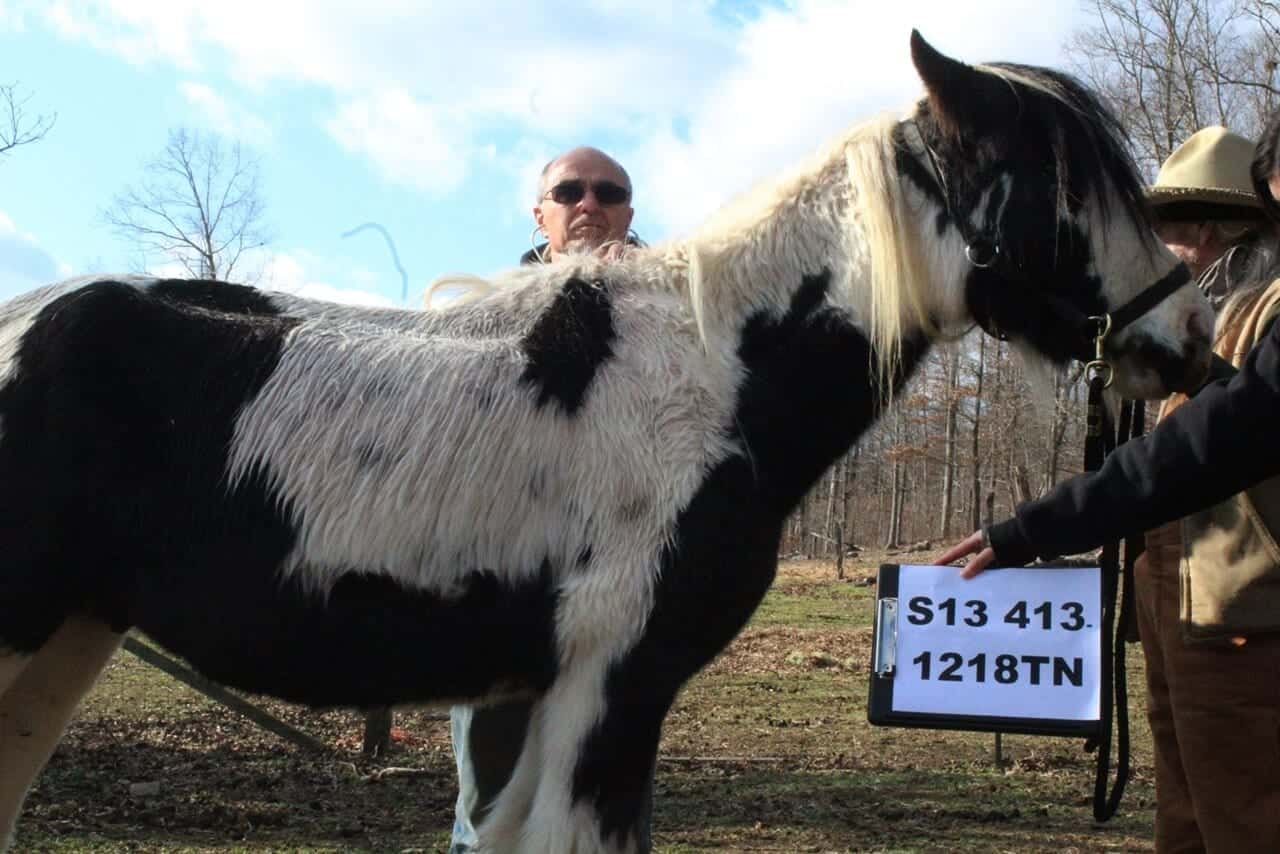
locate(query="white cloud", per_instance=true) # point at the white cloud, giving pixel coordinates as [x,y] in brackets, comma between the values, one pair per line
[408,141]
[135,31]
[579,57]
[225,118]
[422,89]
[805,72]
[24,263]
[288,273]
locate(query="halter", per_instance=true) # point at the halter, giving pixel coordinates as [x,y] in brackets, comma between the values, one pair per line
[982,250]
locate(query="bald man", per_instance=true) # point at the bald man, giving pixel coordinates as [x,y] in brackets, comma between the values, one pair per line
[584,204]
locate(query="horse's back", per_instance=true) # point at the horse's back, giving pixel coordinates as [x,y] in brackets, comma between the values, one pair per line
[117,406]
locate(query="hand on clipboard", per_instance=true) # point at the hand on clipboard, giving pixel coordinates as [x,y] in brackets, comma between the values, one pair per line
[975,544]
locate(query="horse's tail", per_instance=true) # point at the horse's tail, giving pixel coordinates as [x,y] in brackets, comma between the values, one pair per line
[455,289]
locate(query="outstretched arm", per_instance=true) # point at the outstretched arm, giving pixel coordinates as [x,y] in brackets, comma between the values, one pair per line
[1222,441]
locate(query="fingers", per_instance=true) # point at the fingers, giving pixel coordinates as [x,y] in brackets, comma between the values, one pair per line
[983,555]
[978,563]
[969,545]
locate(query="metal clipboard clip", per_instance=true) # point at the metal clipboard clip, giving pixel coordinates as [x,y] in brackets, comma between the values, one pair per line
[886,660]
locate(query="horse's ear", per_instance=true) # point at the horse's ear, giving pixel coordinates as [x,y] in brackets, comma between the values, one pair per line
[961,96]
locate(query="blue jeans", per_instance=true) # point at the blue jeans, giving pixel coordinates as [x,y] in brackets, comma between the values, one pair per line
[486,744]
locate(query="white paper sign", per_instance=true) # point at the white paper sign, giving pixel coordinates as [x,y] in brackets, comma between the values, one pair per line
[1021,643]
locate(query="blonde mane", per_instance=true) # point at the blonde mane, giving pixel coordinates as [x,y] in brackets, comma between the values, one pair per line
[464,287]
[843,208]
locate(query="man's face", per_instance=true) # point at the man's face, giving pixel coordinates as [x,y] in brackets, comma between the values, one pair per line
[1192,242]
[584,224]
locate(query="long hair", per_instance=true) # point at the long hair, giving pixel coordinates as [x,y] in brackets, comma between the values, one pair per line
[1242,274]
[896,292]
[1266,165]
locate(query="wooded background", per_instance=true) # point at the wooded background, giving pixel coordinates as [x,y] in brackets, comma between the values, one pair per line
[968,436]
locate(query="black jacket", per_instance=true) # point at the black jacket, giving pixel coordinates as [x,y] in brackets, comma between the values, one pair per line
[1224,440]
[536,255]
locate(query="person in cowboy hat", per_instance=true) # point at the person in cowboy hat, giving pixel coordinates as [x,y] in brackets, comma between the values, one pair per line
[1206,208]
[1208,585]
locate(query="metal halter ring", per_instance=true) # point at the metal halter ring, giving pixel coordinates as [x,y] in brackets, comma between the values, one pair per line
[1103,369]
[1099,364]
[982,253]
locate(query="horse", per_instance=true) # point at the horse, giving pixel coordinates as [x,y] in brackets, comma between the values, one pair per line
[570,488]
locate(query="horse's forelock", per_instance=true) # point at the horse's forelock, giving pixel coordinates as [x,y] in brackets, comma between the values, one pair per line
[1089,145]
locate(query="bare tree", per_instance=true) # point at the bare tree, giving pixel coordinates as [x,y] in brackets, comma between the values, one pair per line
[199,204]
[1171,67]
[17,126]
[950,438]
[1267,15]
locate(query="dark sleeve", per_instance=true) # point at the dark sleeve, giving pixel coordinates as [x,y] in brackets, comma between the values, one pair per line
[1220,442]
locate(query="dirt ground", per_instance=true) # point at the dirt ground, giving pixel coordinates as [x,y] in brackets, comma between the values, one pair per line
[767,750]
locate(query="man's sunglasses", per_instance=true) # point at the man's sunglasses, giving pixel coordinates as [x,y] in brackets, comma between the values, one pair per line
[573,191]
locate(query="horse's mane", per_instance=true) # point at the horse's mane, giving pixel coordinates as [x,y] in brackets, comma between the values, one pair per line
[1057,107]
[856,177]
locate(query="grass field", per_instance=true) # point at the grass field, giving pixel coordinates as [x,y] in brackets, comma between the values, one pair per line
[766,750]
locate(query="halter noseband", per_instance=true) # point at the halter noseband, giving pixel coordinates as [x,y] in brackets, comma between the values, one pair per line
[982,250]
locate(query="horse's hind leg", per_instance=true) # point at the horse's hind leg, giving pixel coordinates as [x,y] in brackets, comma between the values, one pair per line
[38,703]
[11,666]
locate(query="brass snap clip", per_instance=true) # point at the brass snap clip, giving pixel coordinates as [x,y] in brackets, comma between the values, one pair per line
[1099,366]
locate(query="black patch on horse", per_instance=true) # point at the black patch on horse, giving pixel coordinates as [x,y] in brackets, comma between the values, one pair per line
[368,641]
[117,423]
[806,397]
[569,343]
[214,296]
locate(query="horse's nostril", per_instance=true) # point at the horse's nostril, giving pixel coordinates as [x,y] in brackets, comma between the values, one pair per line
[1200,325]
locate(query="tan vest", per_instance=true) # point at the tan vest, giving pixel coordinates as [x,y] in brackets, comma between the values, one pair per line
[1230,571]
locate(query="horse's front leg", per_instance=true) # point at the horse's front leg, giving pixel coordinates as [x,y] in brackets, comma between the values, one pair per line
[577,788]
[583,783]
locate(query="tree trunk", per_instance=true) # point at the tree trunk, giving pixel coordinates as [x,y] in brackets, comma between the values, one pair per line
[976,485]
[377,731]
[828,522]
[839,552]
[949,444]
[895,507]
[846,506]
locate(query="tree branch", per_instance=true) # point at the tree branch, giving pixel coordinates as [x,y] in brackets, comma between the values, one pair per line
[197,205]
[17,127]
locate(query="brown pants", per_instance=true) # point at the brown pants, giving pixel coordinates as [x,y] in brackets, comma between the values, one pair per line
[1215,722]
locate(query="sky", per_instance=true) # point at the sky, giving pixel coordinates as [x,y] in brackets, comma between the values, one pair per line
[433,119]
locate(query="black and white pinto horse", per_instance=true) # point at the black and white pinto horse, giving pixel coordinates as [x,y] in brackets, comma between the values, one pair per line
[571,488]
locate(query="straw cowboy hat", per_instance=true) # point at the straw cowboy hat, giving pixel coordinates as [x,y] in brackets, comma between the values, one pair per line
[1207,172]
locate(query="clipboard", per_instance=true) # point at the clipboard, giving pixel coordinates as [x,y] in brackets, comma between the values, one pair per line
[1013,650]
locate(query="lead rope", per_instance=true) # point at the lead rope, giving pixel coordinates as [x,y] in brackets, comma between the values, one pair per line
[1100,439]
